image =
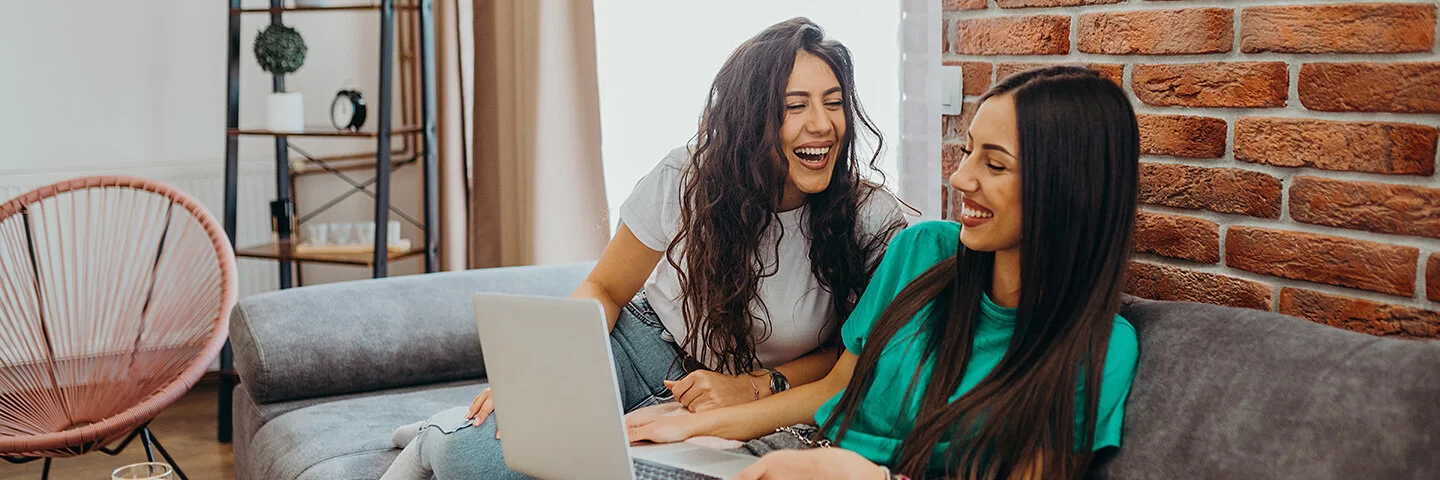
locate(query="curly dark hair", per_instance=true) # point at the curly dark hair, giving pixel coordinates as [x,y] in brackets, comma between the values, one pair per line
[733,188]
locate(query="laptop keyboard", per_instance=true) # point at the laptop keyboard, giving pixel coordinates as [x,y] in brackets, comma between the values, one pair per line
[653,471]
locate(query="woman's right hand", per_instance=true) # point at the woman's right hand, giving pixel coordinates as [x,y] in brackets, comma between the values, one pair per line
[481,408]
[664,429]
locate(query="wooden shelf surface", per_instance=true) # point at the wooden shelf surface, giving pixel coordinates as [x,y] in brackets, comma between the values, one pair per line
[331,8]
[320,132]
[285,251]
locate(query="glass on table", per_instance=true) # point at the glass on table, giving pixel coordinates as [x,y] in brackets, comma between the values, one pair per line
[144,471]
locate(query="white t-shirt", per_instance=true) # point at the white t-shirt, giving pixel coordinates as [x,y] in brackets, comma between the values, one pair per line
[799,309]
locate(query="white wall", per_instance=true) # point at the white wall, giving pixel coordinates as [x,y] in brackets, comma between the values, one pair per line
[657,58]
[138,87]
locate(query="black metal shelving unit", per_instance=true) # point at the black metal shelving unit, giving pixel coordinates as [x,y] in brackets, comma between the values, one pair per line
[282,251]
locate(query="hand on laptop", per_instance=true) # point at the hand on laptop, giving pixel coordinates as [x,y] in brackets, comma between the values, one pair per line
[819,463]
[481,408]
[703,390]
[662,428]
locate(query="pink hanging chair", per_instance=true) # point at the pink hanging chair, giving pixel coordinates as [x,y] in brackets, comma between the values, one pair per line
[115,293]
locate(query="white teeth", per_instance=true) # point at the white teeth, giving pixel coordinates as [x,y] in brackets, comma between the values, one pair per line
[970,212]
[813,151]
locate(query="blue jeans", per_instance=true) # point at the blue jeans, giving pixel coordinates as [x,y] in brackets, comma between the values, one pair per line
[448,447]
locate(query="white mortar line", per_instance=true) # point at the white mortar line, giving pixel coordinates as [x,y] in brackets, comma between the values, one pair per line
[1152,6]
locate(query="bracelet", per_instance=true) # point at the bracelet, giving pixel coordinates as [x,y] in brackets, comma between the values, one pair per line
[890,476]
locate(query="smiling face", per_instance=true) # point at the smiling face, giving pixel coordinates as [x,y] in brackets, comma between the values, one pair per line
[989,178]
[813,127]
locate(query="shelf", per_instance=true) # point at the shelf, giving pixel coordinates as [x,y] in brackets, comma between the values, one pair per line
[285,251]
[320,132]
[367,6]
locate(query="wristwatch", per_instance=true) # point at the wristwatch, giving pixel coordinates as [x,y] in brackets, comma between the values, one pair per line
[778,382]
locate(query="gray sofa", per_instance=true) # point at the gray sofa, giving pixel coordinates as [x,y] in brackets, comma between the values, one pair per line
[327,371]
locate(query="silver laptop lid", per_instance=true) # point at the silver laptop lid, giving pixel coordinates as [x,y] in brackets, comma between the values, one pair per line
[556,401]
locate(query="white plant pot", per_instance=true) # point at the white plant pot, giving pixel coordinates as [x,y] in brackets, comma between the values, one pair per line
[286,112]
[312,3]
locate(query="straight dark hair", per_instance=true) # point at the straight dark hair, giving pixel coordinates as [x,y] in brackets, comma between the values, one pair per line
[1079,163]
[733,186]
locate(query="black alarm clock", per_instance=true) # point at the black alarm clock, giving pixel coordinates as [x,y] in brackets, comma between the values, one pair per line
[347,111]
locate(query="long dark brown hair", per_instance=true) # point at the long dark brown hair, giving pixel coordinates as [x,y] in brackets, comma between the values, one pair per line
[1079,162]
[732,190]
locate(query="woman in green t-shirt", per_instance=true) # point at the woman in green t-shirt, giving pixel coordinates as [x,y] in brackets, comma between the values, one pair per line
[985,330]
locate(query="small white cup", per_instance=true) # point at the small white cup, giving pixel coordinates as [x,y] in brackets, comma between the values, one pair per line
[365,232]
[317,233]
[340,233]
[392,233]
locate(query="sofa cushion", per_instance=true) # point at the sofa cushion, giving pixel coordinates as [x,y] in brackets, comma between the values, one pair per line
[1230,393]
[377,334]
[345,438]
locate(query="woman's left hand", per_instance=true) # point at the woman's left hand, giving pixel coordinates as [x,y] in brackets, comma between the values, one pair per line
[703,390]
[818,463]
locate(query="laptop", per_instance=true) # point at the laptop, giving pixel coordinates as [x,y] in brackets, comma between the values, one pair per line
[558,404]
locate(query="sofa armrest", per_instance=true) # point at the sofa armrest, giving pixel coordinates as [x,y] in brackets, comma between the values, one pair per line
[374,334]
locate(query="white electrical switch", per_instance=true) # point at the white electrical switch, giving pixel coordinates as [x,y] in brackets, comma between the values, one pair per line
[952,89]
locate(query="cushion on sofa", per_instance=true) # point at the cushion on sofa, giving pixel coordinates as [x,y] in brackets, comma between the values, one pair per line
[1230,393]
[367,335]
[345,439]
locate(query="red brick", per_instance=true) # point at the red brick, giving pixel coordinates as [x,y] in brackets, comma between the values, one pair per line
[1157,32]
[947,30]
[1113,71]
[952,5]
[1163,282]
[1353,28]
[1323,259]
[1360,315]
[1052,3]
[956,125]
[1182,136]
[976,76]
[949,160]
[1225,85]
[1373,147]
[1224,190]
[1177,236]
[1376,207]
[1028,35]
[956,199]
[1371,87]
[945,201]
[1432,278]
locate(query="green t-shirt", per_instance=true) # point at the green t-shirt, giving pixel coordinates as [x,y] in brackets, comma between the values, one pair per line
[882,423]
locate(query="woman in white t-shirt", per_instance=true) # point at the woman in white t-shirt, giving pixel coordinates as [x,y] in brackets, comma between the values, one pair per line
[752,245]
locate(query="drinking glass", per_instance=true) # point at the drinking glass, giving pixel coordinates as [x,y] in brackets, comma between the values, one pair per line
[315,233]
[340,233]
[366,232]
[392,232]
[144,471]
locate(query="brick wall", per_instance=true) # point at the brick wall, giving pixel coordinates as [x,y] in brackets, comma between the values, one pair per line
[1289,147]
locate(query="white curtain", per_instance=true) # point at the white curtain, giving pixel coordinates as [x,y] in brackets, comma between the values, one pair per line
[538,190]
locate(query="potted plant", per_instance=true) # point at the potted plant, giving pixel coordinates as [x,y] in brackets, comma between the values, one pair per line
[280,50]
